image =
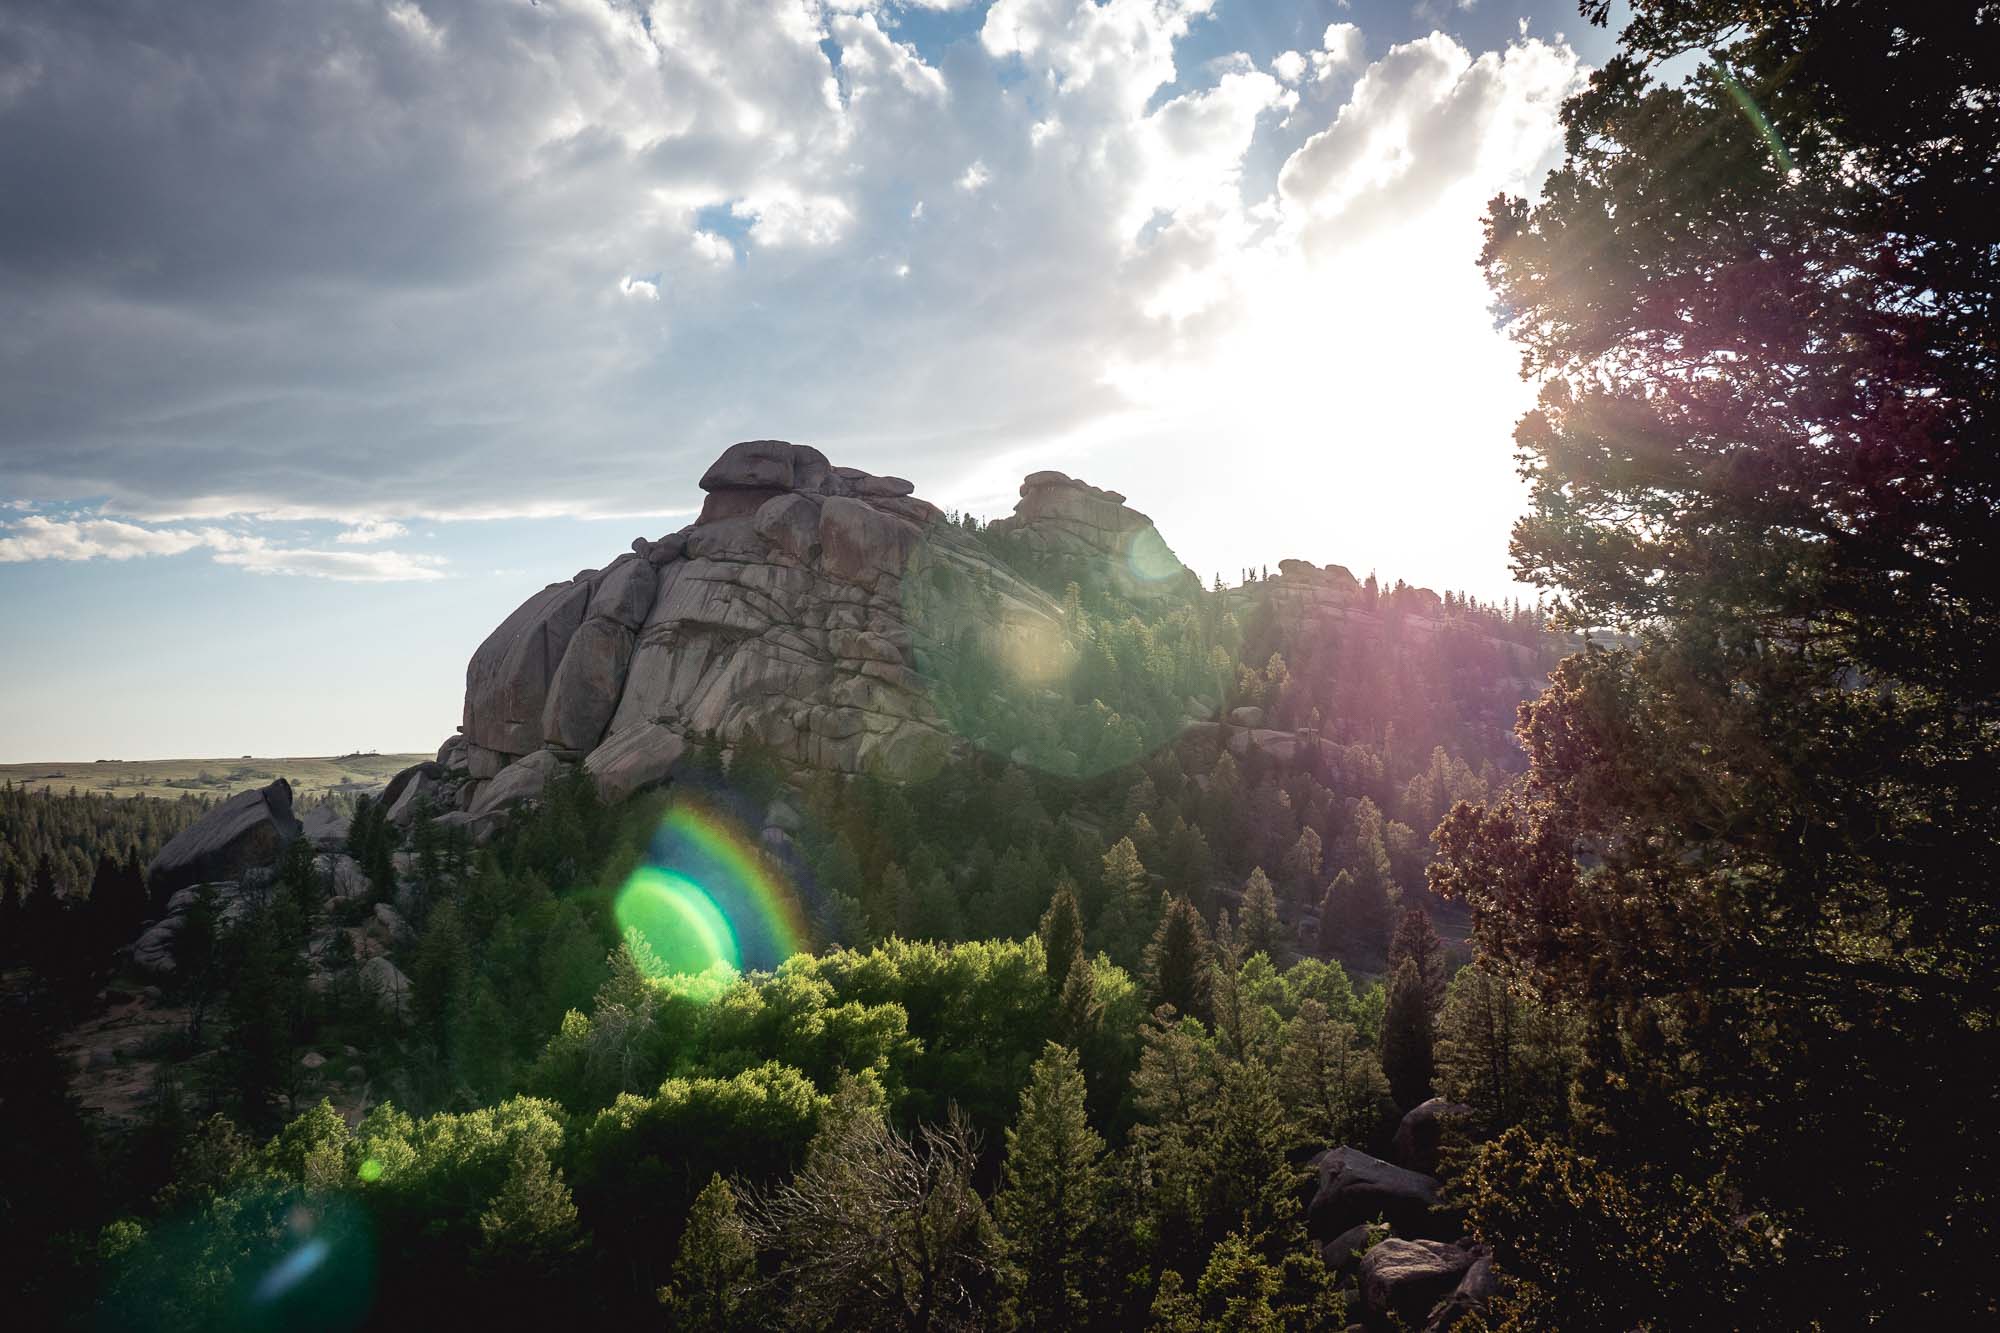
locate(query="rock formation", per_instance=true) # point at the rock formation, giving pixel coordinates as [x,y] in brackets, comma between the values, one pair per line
[809,607]
[246,831]
[1061,516]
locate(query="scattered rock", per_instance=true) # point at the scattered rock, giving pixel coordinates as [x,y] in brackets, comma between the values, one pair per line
[312,1060]
[248,830]
[1246,717]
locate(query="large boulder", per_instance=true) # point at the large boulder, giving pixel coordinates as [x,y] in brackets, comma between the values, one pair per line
[325,825]
[386,983]
[584,693]
[1401,1280]
[1474,1295]
[1356,1188]
[507,681]
[153,951]
[1421,1132]
[248,830]
[768,465]
[634,759]
[519,781]
[412,788]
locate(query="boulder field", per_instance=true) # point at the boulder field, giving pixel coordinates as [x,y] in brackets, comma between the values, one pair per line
[808,607]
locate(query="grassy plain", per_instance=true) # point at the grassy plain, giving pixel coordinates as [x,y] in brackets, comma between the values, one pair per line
[311,778]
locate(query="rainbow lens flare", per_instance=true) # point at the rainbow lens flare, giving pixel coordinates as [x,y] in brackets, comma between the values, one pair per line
[706,894]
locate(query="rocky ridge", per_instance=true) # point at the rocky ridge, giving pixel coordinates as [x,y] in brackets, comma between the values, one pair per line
[808,607]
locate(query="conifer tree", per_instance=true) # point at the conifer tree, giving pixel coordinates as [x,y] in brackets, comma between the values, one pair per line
[713,1277]
[1178,960]
[1125,923]
[1407,1038]
[532,1220]
[1061,933]
[1261,931]
[1416,942]
[1301,868]
[1330,1082]
[1049,1199]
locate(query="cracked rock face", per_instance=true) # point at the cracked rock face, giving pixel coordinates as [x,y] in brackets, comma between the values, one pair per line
[808,607]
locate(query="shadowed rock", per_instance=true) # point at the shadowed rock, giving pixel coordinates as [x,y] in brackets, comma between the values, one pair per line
[248,830]
[1355,1188]
[1421,1132]
[1402,1279]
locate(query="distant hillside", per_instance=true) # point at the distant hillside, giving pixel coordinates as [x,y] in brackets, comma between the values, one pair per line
[311,778]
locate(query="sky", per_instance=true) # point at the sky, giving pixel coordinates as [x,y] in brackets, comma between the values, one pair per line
[336,328]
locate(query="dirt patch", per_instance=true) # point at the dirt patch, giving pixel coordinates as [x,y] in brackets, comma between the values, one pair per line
[116,1055]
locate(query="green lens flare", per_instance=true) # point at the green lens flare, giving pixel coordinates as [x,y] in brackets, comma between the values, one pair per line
[1752,112]
[371,1170]
[678,919]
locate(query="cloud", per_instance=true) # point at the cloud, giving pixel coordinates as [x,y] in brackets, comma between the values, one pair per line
[1339,47]
[1426,124]
[343,260]
[342,566]
[39,538]
[372,530]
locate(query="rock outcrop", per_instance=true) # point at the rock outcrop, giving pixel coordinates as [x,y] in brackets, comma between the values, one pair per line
[809,607]
[1061,516]
[246,831]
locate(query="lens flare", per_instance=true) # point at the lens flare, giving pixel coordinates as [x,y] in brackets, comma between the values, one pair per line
[706,895]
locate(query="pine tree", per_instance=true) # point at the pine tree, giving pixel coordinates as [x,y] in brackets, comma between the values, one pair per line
[1416,942]
[713,1277]
[1050,1198]
[1261,931]
[532,1220]
[1301,867]
[1330,1082]
[1061,933]
[1407,1038]
[1125,923]
[1177,962]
